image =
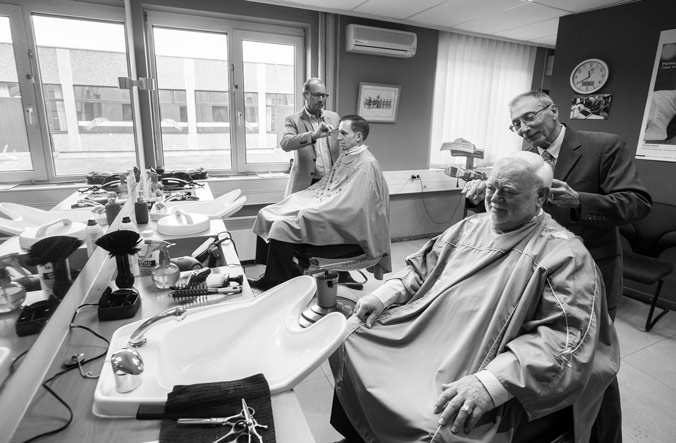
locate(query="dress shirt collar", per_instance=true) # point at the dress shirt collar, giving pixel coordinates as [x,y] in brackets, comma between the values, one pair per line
[555,147]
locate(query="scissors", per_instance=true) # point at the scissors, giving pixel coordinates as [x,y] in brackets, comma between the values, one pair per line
[216,421]
[250,423]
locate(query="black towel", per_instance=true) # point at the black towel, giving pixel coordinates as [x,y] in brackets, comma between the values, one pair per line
[218,399]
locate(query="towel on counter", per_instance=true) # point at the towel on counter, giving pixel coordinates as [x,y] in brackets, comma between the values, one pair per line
[218,399]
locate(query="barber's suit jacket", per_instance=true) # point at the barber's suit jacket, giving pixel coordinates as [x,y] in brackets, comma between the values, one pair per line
[297,137]
[600,168]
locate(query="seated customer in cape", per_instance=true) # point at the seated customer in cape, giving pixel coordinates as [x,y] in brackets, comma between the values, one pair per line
[349,206]
[494,330]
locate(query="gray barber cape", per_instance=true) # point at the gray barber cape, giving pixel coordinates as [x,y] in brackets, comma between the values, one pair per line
[527,305]
[350,205]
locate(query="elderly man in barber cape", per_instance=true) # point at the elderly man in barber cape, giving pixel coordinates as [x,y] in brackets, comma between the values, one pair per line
[495,331]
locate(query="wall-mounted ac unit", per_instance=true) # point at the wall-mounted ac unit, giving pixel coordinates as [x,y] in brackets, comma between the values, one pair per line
[380,41]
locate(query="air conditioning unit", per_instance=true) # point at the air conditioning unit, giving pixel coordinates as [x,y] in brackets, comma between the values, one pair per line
[380,41]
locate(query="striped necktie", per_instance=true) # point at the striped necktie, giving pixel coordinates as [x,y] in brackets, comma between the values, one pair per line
[549,158]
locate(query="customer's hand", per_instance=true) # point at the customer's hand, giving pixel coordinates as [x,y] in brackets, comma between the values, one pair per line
[467,400]
[368,309]
[475,190]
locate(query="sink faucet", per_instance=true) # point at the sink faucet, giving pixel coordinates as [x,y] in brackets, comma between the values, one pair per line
[138,338]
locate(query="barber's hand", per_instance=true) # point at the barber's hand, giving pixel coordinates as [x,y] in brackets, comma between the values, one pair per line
[475,190]
[563,195]
[467,400]
[368,309]
[323,130]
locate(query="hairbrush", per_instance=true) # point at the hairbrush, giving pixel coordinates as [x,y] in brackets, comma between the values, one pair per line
[201,292]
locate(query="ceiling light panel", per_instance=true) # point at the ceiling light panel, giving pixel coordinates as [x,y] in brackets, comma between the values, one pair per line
[399,10]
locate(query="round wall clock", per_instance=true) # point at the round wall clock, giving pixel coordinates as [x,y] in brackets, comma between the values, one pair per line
[589,76]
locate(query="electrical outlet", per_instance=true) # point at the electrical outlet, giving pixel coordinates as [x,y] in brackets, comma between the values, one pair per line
[415,177]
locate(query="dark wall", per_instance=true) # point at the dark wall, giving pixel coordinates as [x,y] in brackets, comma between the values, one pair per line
[626,38]
[405,144]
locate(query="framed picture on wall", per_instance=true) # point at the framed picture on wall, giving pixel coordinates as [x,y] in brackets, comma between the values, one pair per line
[590,107]
[378,103]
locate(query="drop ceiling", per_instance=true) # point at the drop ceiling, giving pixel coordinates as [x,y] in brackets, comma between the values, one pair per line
[534,22]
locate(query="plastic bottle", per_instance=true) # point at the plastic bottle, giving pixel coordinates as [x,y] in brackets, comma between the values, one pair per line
[149,254]
[141,211]
[166,273]
[93,232]
[112,208]
[127,225]
[12,294]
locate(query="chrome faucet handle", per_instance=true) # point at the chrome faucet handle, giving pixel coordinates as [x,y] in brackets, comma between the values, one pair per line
[138,339]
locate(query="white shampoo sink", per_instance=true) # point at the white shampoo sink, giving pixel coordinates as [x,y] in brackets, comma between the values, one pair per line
[228,342]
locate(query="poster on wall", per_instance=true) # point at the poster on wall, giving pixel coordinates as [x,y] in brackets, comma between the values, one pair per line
[658,131]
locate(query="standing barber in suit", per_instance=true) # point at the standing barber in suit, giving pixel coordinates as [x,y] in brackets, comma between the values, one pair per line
[311,134]
[595,189]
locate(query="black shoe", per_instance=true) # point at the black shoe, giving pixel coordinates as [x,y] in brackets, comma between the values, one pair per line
[345,279]
[261,283]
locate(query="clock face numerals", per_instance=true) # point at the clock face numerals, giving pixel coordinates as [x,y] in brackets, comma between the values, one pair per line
[589,76]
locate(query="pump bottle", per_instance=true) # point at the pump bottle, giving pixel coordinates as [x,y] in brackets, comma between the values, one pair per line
[93,232]
[166,273]
[127,225]
[112,208]
[12,294]
[141,211]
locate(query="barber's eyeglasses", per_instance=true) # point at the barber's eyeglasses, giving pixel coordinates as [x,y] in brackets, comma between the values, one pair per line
[319,95]
[526,119]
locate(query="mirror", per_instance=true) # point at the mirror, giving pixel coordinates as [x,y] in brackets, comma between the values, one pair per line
[91,126]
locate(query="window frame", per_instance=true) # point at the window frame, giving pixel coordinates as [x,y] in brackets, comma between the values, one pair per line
[235,30]
[30,79]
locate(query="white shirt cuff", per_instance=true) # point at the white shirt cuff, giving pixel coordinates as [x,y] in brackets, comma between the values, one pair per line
[390,292]
[498,393]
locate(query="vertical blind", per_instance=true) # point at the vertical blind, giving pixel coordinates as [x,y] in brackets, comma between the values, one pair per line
[475,79]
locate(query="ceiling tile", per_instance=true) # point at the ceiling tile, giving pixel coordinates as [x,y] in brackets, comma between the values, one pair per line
[521,15]
[531,31]
[576,6]
[453,12]
[396,9]
[316,5]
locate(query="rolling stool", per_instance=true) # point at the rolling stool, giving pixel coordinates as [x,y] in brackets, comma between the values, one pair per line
[647,270]
[325,263]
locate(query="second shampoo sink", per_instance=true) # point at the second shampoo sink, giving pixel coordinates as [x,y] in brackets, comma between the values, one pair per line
[228,342]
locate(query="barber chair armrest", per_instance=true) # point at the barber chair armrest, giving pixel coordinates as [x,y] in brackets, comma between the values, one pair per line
[665,242]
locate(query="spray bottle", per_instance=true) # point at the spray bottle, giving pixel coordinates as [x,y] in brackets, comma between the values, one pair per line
[148,256]
[166,273]
[12,294]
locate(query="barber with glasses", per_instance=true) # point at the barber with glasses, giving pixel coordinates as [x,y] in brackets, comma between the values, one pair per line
[311,134]
[595,189]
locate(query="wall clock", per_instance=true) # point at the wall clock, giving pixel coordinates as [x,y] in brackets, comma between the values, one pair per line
[589,76]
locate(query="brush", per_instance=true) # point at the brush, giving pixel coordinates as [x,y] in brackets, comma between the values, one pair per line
[201,292]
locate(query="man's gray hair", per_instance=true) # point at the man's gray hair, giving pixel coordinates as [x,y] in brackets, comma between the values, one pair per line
[541,97]
[541,173]
[308,82]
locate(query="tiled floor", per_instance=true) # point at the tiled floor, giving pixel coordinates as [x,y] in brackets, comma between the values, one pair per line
[647,376]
